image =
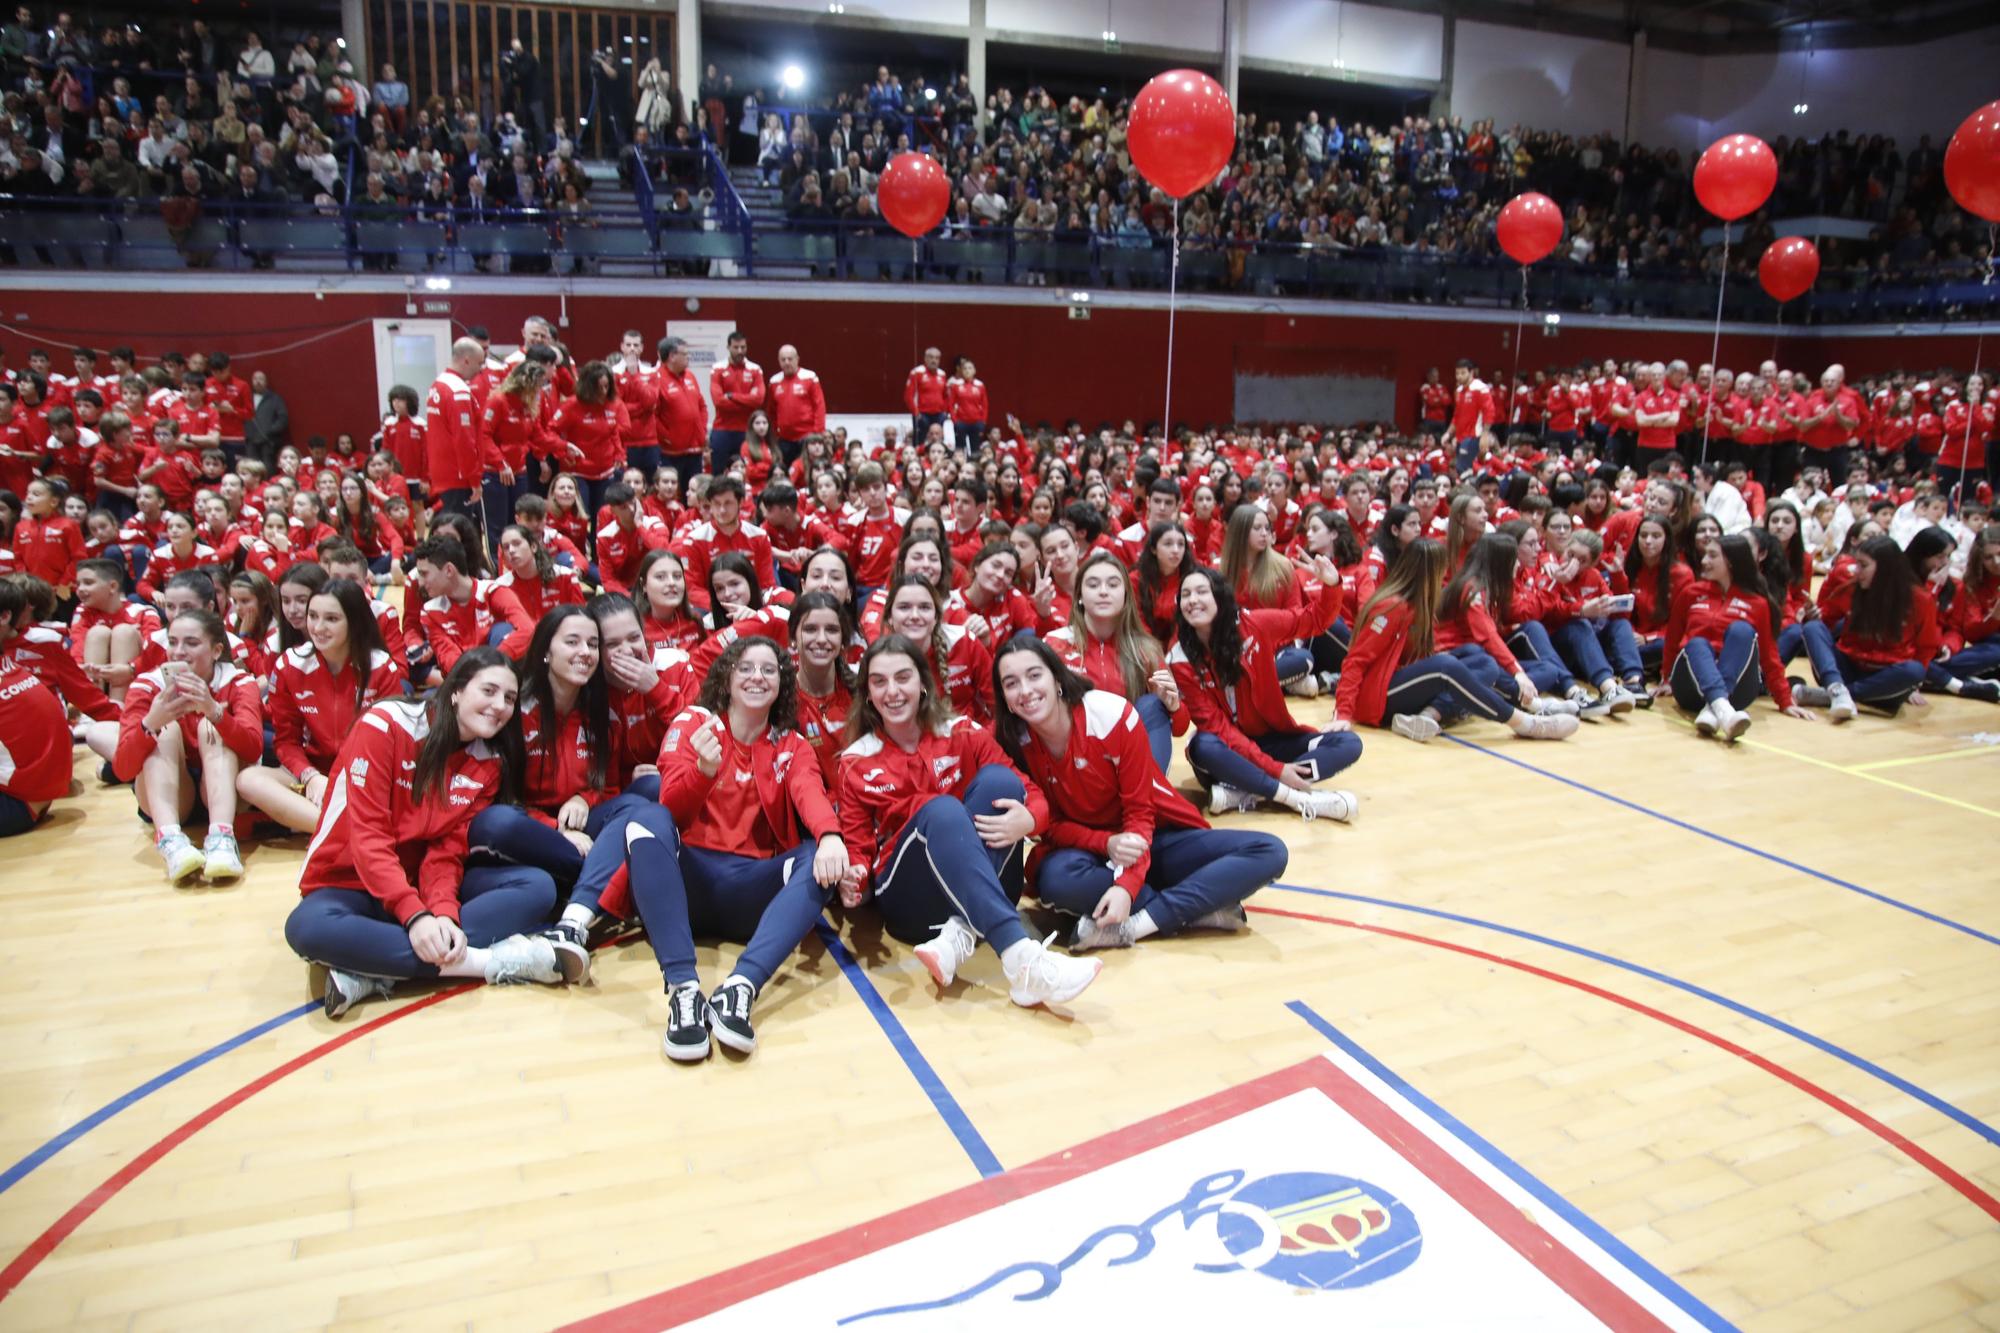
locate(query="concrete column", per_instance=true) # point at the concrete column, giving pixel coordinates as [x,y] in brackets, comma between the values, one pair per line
[687,55]
[975,55]
[354,27]
[1447,53]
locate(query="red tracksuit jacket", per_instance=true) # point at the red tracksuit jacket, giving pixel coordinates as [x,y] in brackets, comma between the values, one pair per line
[1105,782]
[375,836]
[882,785]
[312,708]
[1704,611]
[1255,705]
[242,724]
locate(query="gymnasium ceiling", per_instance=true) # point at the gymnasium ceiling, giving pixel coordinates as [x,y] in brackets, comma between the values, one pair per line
[1715,27]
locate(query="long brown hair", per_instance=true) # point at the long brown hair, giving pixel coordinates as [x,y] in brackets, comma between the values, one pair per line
[1457,529]
[714,694]
[1416,579]
[1139,653]
[1259,579]
[442,741]
[933,710]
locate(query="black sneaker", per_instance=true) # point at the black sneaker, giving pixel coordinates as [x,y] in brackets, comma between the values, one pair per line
[729,1015]
[687,1023]
[1986,691]
[572,950]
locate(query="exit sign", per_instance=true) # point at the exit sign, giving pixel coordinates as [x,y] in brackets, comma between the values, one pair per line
[437,307]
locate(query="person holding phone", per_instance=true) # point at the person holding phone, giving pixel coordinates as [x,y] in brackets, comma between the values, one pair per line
[187,729]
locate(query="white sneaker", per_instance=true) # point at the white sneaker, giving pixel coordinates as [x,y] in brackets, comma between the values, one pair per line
[344,990]
[184,860]
[1589,709]
[1547,705]
[1415,726]
[1231,918]
[1088,934]
[1548,727]
[1223,799]
[1049,978]
[520,958]
[1620,698]
[1840,706]
[944,953]
[1705,721]
[1305,687]
[221,860]
[1332,803]
[1732,722]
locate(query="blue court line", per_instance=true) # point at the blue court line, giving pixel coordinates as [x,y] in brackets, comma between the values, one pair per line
[14,1174]
[1519,1174]
[1713,836]
[947,1106]
[1840,1053]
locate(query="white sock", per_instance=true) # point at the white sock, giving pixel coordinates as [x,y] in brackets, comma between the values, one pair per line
[738,976]
[1517,722]
[472,965]
[1290,797]
[1954,686]
[1143,925]
[576,914]
[1017,956]
[1432,713]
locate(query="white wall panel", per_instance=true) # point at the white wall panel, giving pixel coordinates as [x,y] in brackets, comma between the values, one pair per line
[1367,38]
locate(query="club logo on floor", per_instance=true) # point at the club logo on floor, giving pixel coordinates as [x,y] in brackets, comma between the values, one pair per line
[1311,1230]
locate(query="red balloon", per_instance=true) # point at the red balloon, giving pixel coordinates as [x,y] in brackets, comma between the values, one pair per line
[913,193]
[1972,163]
[1182,131]
[1788,267]
[1530,226]
[1735,176]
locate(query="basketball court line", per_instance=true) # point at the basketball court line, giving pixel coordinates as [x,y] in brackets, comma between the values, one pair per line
[947,1107]
[1757,1015]
[1514,1171]
[1831,767]
[1907,760]
[42,1246]
[14,1174]
[1727,841]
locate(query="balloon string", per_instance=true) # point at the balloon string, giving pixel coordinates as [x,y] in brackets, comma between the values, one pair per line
[1971,415]
[1715,346]
[1514,377]
[1173,282]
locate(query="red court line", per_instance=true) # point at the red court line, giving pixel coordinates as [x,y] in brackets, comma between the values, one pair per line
[1564,1267]
[43,1245]
[1986,1202]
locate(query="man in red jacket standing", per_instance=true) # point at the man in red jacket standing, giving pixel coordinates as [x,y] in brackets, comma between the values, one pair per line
[1827,424]
[451,431]
[737,388]
[681,413]
[798,404]
[639,390]
[924,393]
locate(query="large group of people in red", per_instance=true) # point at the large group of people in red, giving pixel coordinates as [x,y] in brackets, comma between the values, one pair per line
[567,645]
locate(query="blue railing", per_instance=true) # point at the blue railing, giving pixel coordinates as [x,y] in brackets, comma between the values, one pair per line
[134,234]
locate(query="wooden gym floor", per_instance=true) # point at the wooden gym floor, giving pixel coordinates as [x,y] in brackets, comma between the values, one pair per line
[1739,1007]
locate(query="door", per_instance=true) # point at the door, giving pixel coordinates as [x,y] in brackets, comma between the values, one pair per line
[412,352]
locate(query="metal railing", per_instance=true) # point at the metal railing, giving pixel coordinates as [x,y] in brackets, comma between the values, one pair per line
[138,234]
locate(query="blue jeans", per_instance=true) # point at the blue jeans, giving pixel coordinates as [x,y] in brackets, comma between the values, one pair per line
[1601,652]
[1214,761]
[593,489]
[645,457]
[499,500]
[1977,659]
[969,435]
[1159,725]
[1465,453]
[509,835]
[940,869]
[1445,682]
[723,446]
[1194,872]
[349,930]
[1817,639]
[1293,662]
[1887,688]
[767,903]
[921,423]
[1701,676]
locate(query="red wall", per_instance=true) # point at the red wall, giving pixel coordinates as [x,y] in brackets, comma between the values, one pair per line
[1039,363]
